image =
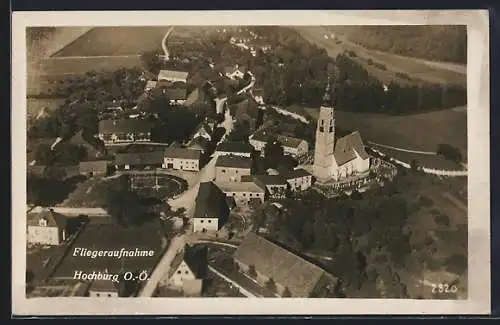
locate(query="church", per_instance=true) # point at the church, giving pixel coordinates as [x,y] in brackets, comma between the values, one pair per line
[337,159]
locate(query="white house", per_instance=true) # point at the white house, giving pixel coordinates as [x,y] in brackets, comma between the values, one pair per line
[299,179]
[182,159]
[188,270]
[47,228]
[173,76]
[244,192]
[211,209]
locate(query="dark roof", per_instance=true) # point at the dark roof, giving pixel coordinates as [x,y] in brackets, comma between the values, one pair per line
[235,146]
[276,262]
[210,202]
[176,93]
[203,125]
[271,179]
[347,147]
[53,218]
[140,158]
[198,143]
[182,153]
[125,126]
[296,173]
[196,257]
[93,166]
[104,286]
[233,162]
[197,96]
[283,140]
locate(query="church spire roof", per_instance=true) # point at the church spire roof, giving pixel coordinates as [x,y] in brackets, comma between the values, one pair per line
[327,97]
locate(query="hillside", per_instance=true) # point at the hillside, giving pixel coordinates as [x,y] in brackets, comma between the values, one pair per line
[437,43]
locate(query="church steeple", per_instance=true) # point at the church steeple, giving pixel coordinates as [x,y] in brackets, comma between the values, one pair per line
[327,96]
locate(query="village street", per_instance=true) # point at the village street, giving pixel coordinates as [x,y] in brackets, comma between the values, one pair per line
[163,266]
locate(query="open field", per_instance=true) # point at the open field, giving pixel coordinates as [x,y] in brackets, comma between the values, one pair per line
[129,40]
[415,68]
[34,105]
[107,237]
[416,132]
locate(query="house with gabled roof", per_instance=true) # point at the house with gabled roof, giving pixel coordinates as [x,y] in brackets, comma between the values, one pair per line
[211,210]
[230,168]
[172,76]
[276,185]
[294,147]
[204,130]
[188,270]
[48,228]
[182,159]
[243,192]
[291,275]
[237,148]
[125,130]
[299,179]
[139,160]
[235,72]
[176,96]
[94,167]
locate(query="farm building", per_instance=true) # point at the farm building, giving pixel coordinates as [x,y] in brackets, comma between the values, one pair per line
[291,146]
[237,148]
[204,130]
[276,185]
[211,210]
[173,76]
[230,168]
[94,167]
[176,96]
[244,192]
[182,159]
[139,160]
[188,270]
[299,179]
[290,274]
[104,289]
[124,130]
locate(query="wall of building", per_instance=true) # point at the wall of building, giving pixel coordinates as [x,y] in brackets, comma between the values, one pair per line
[301,183]
[241,154]
[102,294]
[180,275]
[242,198]
[210,224]
[228,174]
[44,235]
[182,164]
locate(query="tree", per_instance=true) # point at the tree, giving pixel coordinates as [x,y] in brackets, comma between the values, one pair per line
[44,155]
[271,285]
[449,152]
[273,153]
[286,293]
[124,207]
[251,271]
[151,61]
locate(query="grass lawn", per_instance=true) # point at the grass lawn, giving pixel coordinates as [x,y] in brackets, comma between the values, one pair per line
[34,105]
[89,194]
[421,132]
[111,237]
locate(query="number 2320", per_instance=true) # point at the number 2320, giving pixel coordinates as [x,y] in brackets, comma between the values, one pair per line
[444,288]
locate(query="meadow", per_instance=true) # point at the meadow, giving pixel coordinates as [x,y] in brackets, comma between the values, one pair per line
[420,132]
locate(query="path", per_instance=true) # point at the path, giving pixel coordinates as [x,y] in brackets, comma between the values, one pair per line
[243,291]
[429,153]
[166,54]
[163,266]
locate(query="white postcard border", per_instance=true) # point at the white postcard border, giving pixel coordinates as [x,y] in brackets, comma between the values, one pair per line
[478,164]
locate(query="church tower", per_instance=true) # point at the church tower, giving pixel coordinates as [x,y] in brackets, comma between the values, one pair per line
[325,138]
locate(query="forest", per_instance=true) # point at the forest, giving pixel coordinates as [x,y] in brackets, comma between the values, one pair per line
[438,43]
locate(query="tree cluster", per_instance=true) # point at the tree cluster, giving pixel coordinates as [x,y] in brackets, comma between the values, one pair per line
[439,43]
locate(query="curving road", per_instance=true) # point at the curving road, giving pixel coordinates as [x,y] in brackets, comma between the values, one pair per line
[166,53]
[429,153]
